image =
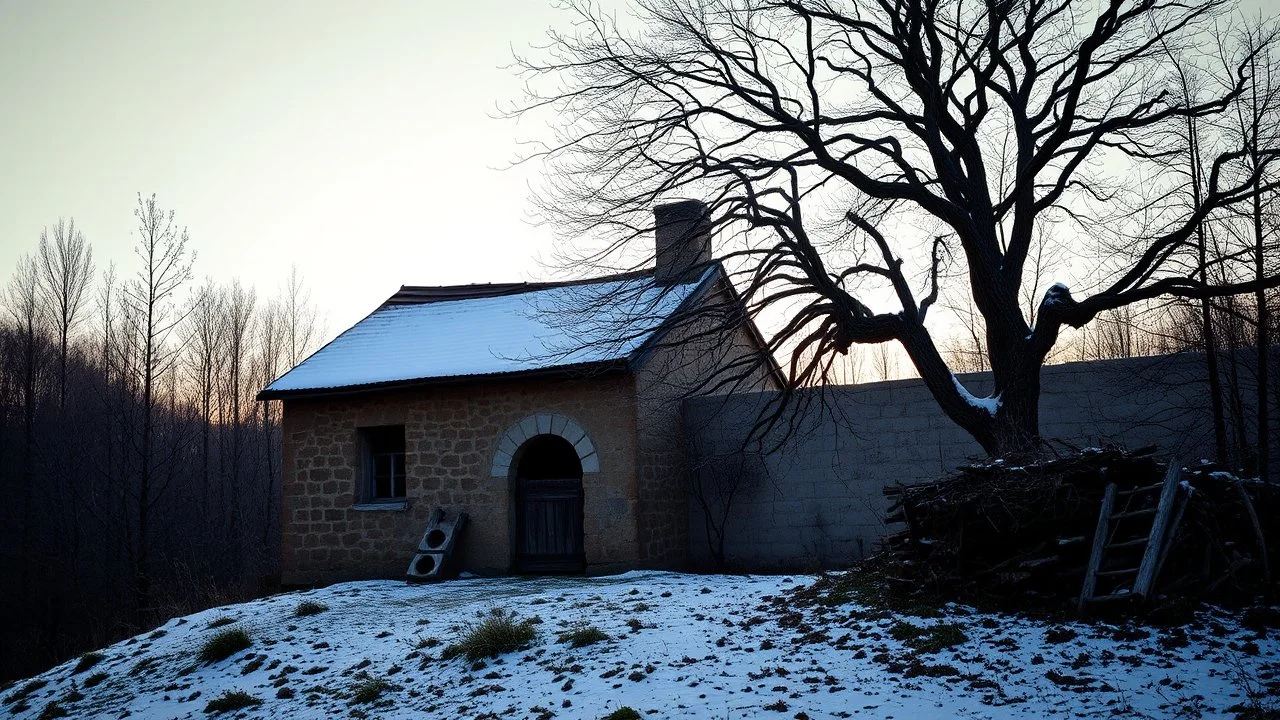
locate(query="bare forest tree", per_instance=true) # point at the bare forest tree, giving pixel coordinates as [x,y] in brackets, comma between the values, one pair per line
[66,269]
[125,418]
[151,300]
[204,359]
[854,153]
[237,323]
[1255,125]
[23,301]
[299,323]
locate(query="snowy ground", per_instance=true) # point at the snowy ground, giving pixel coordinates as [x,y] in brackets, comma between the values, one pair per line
[696,646]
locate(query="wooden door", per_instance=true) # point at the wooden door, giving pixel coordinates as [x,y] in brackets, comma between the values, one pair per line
[549,526]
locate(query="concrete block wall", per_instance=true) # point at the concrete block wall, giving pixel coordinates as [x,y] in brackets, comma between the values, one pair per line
[815,500]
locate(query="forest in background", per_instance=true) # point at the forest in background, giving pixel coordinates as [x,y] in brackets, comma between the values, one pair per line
[141,477]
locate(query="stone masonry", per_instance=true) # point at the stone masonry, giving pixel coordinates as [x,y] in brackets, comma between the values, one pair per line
[452,436]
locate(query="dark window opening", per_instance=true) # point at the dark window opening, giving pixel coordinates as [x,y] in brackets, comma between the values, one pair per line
[548,457]
[384,470]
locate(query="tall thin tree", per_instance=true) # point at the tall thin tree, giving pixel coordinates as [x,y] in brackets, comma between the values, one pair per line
[151,296]
[65,263]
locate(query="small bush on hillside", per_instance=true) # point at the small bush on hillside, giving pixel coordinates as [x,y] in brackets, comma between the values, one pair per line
[498,631]
[232,700]
[95,679]
[583,635]
[220,621]
[368,689]
[224,644]
[87,661]
[26,690]
[623,713]
[309,607]
[51,711]
[928,639]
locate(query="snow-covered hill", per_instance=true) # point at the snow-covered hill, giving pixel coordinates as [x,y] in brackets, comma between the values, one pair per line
[679,646]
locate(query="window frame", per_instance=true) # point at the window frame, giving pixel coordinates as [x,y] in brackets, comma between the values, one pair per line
[374,443]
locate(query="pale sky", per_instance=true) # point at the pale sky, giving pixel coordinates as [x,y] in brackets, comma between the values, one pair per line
[355,140]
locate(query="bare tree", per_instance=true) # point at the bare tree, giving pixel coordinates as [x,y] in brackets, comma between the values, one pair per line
[1189,84]
[790,115]
[237,321]
[300,326]
[22,297]
[269,333]
[204,339]
[66,269]
[150,297]
[1257,128]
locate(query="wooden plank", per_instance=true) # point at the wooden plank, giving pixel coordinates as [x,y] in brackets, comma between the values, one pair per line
[1127,544]
[1155,541]
[1133,513]
[1099,544]
[1258,537]
[1184,499]
[1144,489]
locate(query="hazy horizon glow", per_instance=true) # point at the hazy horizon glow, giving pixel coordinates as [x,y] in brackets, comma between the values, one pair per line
[355,141]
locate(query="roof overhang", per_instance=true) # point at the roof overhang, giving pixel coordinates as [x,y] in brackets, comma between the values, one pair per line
[576,371]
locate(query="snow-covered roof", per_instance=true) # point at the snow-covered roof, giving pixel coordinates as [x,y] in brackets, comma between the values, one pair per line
[430,334]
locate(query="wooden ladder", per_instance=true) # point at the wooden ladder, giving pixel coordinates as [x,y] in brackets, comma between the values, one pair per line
[1164,517]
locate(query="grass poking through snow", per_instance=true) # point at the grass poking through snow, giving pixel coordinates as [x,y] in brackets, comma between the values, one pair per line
[309,607]
[928,639]
[224,644]
[495,633]
[231,700]
[582,636]
[87,661]
[368,689]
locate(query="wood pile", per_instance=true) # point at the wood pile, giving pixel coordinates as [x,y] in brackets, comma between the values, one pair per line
[1096,530]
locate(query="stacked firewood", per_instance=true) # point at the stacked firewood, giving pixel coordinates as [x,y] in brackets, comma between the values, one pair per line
[1021,533]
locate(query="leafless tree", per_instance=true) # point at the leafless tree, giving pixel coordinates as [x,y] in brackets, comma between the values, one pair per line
[23,302]
[204,339]
[66,268]
[151,299]
[1190,85]
[1256,126]
[790,115]
[299,323]
[237,322]
[81,471]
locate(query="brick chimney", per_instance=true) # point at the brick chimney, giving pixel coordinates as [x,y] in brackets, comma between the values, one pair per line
[682,235]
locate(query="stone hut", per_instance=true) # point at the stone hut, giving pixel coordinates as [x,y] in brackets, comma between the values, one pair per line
[548,412]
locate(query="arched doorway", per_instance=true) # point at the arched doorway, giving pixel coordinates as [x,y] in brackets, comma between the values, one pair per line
[548,507]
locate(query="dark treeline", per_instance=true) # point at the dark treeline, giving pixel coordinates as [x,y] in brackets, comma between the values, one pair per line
[141,478]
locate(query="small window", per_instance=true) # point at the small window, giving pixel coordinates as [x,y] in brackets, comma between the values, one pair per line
[383,449]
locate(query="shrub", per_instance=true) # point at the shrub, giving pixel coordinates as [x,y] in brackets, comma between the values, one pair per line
[95,679]
[583,635]
[930,639]
[622,713]
[87,661]
[220,621]
[368,689]
[309,607]
[51,711]
[498,631]
[224,644]
[26,690]
[232,700]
